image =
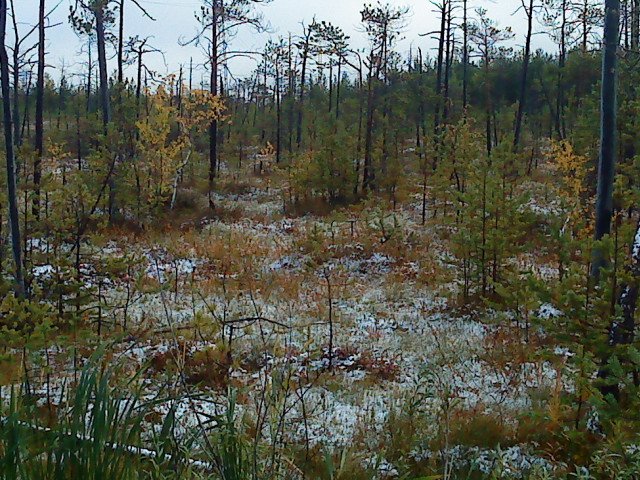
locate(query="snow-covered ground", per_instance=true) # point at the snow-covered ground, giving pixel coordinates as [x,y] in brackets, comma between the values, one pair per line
[262,298]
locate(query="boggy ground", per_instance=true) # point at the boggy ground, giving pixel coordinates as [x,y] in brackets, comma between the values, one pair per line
[341,334]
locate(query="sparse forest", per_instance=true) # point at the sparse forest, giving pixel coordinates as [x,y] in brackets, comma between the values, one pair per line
[349,263]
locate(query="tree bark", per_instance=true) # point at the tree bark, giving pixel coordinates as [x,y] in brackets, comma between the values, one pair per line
[338,88]
[102,67]
[439,68]
[303,78]
[449,51]
[213,127]
[635,24]
[10,154]
[121,44]
[560,100]
[39,143]
[465,55]
[105,103]
[525,73]
[367,170]
[17,137]
[608,132]
[278,110]
[139,83]
[291,97]
[89,76]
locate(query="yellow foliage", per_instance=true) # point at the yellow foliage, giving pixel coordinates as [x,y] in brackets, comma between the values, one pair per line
[160,152]
[572,170]
[572,167]
[300,175]
[201,108]
[268,150]
[265,159]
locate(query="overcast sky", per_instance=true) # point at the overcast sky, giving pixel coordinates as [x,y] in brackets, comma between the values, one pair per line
[175,21]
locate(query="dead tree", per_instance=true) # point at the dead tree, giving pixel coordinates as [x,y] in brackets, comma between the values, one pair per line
[135,51]
[92,17]
[443,8]
[305,48]
[274,56]
[382,25]
[39,144]
[22,57]
[10,154]
[220,20]
[121,42]
[526,59]
[487,36]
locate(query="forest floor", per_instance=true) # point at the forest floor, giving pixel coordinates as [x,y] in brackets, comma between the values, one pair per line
[338,332]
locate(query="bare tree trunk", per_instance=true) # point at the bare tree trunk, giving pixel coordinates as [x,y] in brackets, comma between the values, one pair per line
[39,144]
[139,83]
[278,111]
[488,106]
[17,137]
[220,144]
[356,184]
[102,67]
[330,85]
[10,154]
[447,65]
[121,44]
[89,77]
[635,24]
[608,132]
[303,78]
[439,69]
[26,117]
[626,25]
[291,97]
[525,73]
[213,127]
[560,101]
[606,166]
[465,55]
[338,85]
[104,94]
[421,107]
[367,170]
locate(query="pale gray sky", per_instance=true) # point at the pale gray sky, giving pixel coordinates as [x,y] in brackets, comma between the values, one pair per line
[175,20]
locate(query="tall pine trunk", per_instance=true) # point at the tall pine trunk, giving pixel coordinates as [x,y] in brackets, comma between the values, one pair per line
[608,132]
[525,74]
[449,50]
[105,102]
[39,144]
[278,111]
[102,67]
[635,24]
[121,44]
[367,170]
[560,99]
[14,220]
[213,127]
[439,72]
[465,55]
[303,79]
[17,135]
